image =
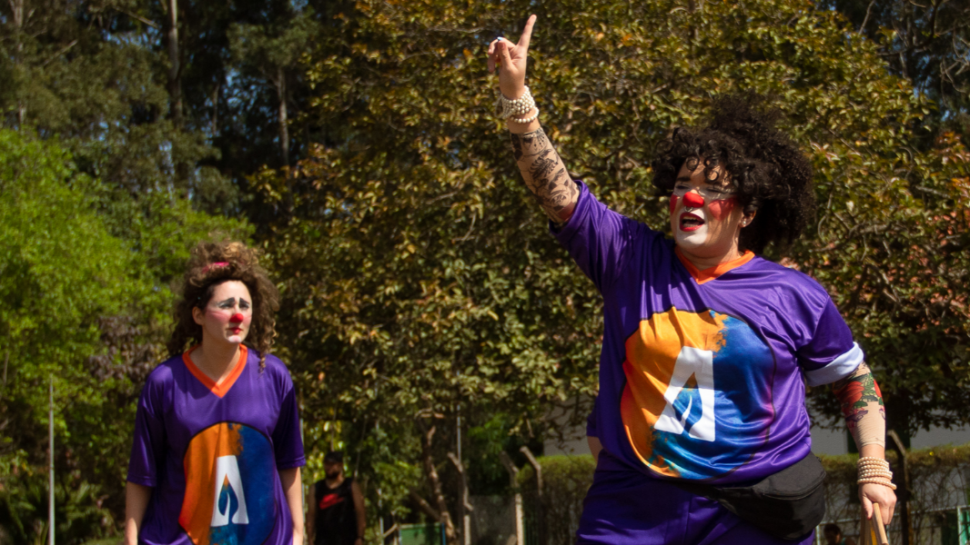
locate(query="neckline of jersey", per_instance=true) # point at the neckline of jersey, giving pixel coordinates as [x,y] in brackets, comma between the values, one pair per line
[222,388]
[716,271]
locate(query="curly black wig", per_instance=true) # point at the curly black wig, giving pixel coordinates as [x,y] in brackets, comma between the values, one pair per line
[771,175]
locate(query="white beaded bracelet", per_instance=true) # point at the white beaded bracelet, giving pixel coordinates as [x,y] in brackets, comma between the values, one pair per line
[877,481]
[871,460]
[516,107]
[526,120]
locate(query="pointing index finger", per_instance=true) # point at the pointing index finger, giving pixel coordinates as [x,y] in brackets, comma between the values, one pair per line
[527,33]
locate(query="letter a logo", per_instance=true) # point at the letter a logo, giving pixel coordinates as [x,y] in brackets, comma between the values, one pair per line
[227,474]
[700,363]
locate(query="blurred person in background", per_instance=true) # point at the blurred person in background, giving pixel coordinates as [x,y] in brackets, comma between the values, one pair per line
[335,515]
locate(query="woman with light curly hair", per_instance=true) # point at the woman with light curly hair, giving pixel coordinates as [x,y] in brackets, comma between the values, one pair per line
[217,447]
[700,428]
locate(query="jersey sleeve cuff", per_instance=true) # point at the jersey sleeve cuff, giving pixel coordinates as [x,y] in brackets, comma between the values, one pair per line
[290,464]
[567,230]
[838,368]
[141,480]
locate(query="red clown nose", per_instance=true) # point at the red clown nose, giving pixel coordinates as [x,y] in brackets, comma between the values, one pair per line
[693,200]
[237,317]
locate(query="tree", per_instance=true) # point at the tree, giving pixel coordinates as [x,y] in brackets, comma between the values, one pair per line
[82,73]
[418,274]
[272,52]
[925,42]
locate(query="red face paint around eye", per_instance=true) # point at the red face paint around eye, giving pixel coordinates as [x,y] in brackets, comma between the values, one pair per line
[674,199]
[237,317]
[693,200]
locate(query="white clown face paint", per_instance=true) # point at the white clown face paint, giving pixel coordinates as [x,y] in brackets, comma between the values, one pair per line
[228,315]
[706,220]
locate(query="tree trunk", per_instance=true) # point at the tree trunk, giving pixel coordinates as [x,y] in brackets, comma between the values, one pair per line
[438,496]
[284,130]
[214,124]
[465,507]
[17,7]
[6,360]
[174,67]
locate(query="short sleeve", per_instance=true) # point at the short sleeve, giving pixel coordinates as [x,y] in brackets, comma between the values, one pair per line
[287,440]
[591,424]
[830,354]
[148,448]
[597,238]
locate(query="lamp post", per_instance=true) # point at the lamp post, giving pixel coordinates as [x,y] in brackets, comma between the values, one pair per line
[50,421]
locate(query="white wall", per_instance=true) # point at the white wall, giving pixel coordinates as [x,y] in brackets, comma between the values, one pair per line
[835,442]
[824,441]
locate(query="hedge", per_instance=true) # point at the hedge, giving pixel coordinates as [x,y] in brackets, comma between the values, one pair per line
[939,476]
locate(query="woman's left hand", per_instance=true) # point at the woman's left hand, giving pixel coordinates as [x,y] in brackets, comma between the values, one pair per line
[870,493]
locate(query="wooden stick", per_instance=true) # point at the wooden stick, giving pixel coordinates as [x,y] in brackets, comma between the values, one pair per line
[864,533]
[880,527]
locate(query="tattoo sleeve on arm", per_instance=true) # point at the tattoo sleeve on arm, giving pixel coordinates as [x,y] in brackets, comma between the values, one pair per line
[862,406]
[545,175]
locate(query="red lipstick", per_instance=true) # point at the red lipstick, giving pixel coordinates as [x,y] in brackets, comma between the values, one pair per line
[690,222]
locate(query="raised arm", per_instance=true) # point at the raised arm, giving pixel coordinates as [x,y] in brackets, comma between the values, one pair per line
[540,165]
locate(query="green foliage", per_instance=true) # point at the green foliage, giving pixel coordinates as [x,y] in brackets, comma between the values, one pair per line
[85,275]
[61,271]
[87,74]
[78,510]
[926,43]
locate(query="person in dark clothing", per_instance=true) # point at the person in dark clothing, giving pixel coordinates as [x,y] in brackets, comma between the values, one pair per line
[336,514]
[833,536]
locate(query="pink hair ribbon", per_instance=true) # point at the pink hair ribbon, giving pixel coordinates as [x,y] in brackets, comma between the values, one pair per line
[216,265]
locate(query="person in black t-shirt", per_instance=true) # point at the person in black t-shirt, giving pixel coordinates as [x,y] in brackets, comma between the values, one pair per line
[336,513]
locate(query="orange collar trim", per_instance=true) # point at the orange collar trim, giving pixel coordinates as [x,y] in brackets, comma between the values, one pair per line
[710,274]
[222,388]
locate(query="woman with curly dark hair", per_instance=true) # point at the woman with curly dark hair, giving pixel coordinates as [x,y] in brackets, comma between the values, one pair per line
[700,428]
[217,451]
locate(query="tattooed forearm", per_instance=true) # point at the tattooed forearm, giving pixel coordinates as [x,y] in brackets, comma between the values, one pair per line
[530,143]
[862,406]
[545,174]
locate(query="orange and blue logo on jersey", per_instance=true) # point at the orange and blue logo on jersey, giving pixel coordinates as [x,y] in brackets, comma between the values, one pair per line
[229,485]
[697,402]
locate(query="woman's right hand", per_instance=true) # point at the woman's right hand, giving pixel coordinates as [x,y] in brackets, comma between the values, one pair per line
[510,59]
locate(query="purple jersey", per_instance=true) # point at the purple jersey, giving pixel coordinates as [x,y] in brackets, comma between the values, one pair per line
[701,372]
[211,453]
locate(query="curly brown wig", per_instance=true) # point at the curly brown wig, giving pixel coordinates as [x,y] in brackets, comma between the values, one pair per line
[770,173]
[211,264]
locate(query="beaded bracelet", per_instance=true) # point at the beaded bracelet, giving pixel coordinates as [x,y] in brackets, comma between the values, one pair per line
[529,119]
[877,481]
[875,471]
[871,460]
[516,107]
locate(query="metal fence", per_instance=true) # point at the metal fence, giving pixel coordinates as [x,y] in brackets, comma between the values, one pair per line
[949,526]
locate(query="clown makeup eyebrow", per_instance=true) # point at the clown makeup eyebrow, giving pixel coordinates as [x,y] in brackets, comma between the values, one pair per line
[231,302]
